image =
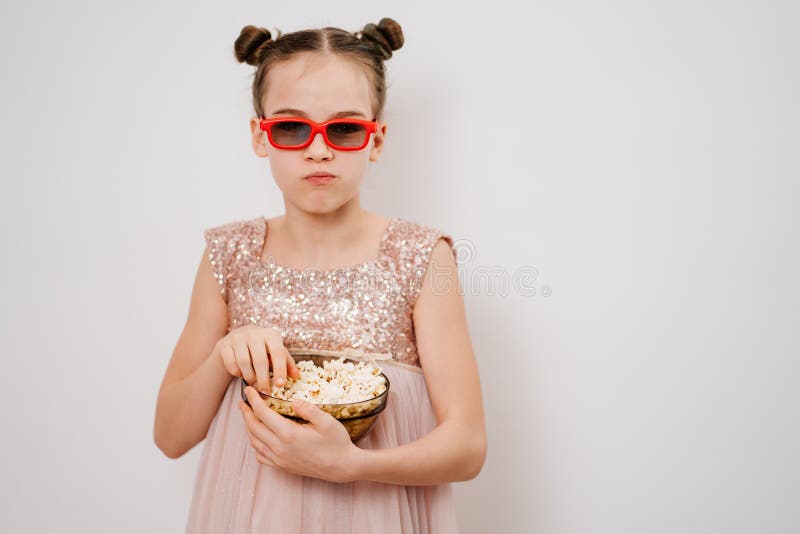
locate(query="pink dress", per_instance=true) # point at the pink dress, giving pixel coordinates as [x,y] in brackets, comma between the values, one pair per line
[365,306]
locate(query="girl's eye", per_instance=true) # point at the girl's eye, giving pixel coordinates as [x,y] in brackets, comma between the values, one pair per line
[289,126]
[345,128]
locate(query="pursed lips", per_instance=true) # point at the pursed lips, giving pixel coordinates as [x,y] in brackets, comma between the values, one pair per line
[320,178]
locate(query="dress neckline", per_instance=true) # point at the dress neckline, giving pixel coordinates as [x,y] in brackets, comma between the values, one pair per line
[374,261]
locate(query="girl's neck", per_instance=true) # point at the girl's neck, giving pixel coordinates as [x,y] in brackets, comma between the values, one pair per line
[335,238]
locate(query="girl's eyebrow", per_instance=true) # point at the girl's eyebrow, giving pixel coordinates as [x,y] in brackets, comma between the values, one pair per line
[302,114]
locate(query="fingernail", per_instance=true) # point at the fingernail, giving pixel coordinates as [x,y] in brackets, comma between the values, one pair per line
[279,382]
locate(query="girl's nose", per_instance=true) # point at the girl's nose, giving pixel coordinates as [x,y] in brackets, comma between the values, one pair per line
[318,149]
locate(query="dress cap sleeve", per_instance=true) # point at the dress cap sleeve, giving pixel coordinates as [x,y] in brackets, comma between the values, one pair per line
[412,246]
[232,245]
[217,240]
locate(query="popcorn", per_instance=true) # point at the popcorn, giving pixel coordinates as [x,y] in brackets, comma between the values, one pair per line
[337,382]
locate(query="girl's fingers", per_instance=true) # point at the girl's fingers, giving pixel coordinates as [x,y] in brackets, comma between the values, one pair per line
[258,430]
[292,369]
[243,361]
[264,460]
[229,360]
[264,450]
[260,363]
[278,355]
[263,453]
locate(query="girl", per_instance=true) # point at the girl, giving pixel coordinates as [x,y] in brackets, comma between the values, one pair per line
[330,275]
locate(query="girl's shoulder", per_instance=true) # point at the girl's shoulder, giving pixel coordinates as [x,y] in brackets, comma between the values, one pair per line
[415,241]
[235,240]
[231,244]
[235,229]
[410,245]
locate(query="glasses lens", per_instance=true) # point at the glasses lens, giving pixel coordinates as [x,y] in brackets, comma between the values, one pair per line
[347,134]
[290,133]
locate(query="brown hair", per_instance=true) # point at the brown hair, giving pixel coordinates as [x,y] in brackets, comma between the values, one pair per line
[370,48]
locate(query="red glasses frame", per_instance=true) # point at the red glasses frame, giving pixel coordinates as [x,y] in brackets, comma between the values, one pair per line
[316,128]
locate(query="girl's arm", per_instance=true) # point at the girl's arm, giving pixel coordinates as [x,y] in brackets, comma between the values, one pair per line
[194,383]
[456,449]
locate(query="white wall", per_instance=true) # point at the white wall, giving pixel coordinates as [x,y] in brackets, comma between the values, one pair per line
[641,156]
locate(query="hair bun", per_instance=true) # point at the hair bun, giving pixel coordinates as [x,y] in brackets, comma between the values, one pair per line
[249,43]
[386,36]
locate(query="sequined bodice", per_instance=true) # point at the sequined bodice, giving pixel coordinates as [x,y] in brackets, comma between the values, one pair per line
[366,306]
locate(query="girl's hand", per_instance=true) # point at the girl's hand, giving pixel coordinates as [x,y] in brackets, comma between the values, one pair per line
[249,352]
[319,449]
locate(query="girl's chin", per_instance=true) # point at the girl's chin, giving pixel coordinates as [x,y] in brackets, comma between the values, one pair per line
[314,203]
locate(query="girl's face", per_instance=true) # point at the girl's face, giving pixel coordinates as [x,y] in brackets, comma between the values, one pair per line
[317,87]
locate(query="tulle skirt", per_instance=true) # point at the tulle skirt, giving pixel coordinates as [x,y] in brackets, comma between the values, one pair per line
[235,494]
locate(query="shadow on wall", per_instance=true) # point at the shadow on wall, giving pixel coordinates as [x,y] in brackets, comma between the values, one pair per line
[404,186]
[515,486]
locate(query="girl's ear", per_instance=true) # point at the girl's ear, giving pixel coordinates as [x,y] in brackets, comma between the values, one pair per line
[259,139]
[378,139]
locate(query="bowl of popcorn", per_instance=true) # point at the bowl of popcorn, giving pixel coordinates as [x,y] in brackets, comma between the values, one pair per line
[354,391]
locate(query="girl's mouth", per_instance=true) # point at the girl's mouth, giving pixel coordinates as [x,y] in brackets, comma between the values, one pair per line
[320,179]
